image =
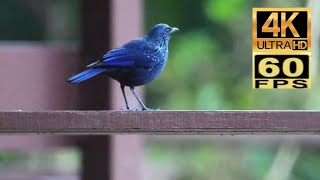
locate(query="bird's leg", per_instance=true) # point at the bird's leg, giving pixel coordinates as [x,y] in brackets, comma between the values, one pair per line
[124,95]
[137,97]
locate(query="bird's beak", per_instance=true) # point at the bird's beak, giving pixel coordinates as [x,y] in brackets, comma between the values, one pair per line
[174,29]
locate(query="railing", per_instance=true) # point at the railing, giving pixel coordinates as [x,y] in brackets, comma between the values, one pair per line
[161,122]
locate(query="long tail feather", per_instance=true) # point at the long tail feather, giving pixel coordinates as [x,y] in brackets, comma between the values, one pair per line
[78,78]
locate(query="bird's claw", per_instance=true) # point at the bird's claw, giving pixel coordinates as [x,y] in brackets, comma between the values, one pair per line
[127,109]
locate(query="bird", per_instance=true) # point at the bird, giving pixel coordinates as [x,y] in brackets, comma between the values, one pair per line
[135,63]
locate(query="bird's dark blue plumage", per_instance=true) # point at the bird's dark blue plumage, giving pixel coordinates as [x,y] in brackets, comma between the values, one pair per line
[134,64]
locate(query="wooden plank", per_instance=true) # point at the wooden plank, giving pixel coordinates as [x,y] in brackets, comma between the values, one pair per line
[161,122]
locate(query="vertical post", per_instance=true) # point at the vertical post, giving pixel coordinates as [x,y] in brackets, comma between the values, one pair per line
[96,157]
[95,29]
[95,26]
[107,24]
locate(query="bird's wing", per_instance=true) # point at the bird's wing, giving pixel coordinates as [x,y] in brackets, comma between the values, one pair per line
[133,54]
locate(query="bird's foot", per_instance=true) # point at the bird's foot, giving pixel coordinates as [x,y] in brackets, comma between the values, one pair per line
[149,109]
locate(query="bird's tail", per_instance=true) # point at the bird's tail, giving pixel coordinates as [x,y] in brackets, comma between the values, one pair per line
[78,78]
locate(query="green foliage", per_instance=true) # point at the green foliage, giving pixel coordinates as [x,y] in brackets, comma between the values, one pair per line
[204,161]
[196,70]
[209,64]
[260,159]
[222,10]
[307,165]
[10,157]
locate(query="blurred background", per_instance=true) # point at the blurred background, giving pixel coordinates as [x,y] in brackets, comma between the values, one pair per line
[42,42]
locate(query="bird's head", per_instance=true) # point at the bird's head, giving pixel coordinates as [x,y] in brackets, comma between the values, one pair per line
[161,32]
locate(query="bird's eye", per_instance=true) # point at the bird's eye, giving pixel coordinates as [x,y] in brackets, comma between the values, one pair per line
[168,29]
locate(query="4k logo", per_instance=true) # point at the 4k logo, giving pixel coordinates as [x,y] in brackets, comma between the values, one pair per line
[282,36]
[278,23]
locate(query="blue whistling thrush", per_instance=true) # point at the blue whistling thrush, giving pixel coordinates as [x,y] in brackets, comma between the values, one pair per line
[133,64]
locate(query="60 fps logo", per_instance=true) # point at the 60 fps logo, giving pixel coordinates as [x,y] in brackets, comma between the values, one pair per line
[281,40]
[281,71]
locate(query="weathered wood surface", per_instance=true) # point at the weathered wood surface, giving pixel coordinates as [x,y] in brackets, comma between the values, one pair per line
[161,122]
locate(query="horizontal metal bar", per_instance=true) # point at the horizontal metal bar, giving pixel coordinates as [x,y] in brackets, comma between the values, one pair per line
[161,122]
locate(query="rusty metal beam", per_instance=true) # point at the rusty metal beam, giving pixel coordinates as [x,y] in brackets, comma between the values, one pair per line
[161,122]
